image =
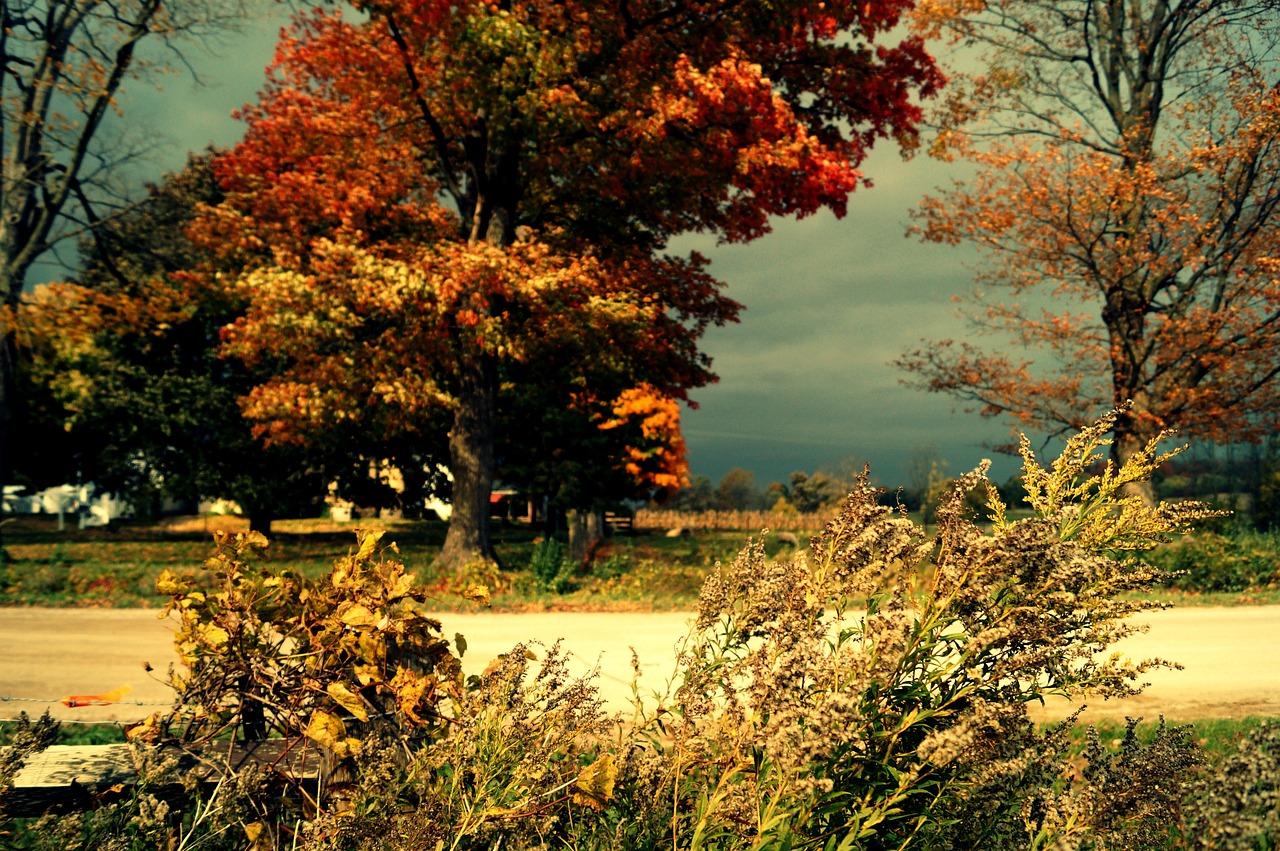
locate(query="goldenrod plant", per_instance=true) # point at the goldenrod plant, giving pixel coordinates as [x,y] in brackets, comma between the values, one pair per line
[873,692]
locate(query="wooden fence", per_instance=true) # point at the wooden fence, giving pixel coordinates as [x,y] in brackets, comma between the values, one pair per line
[658,520]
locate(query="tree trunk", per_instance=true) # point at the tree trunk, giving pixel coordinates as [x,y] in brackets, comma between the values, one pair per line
[7,392]
[12,278]
[586,528]
[472,465]
[252,717]
[260,519]
[1124,314]
[1129,441]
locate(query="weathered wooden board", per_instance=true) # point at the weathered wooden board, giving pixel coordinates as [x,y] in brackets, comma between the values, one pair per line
[72,777]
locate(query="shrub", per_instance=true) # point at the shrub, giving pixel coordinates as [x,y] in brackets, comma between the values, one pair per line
[819,703]
[1237,803]
[1207,562]
[548,566]
[278,654]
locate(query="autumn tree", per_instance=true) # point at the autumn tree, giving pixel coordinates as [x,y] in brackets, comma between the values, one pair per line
[811,493]
[698,495]
[586,453]
[434,190]
[1125,207]
[737,491]
[65,63]
[121,380]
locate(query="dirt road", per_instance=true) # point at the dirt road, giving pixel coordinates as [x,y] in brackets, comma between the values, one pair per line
[1231,658]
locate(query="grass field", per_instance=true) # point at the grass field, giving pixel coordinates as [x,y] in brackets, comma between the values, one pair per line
[644,571]
[118,568]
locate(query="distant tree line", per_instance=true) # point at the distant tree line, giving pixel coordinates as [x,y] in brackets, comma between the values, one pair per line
[803,493]
[1244,479]
[926,484]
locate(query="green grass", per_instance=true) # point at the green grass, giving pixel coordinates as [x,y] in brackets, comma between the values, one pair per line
[643,572]
[73,734]
[99,568]
[1218,736]
[1181,599]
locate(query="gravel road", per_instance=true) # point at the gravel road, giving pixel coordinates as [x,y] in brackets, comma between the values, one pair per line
[1231,658]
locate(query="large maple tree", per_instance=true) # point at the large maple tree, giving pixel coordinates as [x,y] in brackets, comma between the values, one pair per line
[435,189]
[1125,204]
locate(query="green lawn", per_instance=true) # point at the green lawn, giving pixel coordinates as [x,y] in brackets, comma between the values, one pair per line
[118,568]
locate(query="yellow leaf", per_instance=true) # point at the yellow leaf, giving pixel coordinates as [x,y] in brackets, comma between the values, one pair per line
[325,730]
[214,635]
[594,785]
[345,748]
[371,650]
[145,730]
[169,583]
[348,700]
[359,615]
[477,592]
[502,812]
[409,689]
[368,543]
[255,539]
[368,674]
[403,587]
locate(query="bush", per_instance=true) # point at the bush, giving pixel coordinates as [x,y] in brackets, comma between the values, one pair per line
[1237,803]
[548,566]
[1207,562]
[818,702]
[828,700]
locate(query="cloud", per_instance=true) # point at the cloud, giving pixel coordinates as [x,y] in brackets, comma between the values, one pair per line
[806,376]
